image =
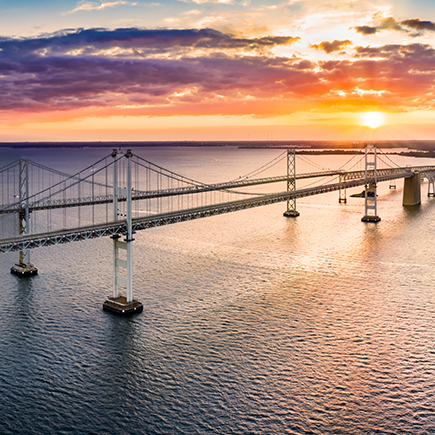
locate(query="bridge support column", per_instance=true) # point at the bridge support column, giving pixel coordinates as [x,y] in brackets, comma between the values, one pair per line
[411,190]
[24,267]
[371,202]
[342,192]
[291,183]
[431,187]
[118,304]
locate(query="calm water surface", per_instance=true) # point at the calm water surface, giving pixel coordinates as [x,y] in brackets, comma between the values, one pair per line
[252,323]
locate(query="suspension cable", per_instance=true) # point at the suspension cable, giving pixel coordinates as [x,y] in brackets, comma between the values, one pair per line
[157,169]
[265,167]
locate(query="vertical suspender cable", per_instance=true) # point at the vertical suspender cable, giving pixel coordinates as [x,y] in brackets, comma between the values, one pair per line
[78,195]
[93,195]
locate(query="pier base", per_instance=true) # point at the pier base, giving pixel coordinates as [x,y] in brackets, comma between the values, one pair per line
[411,190]
[291,213]
[22,269]
[121,307]
[369,218]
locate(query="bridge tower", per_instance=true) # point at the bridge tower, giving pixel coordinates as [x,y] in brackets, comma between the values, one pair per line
[342,192]
[371,203]
[24,267]
[291,183]
[119,304]
[431,185]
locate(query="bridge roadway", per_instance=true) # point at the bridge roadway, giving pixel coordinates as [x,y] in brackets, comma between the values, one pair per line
[47,203]
[23,242]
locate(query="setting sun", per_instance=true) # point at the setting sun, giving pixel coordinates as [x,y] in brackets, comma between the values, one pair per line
[373,119]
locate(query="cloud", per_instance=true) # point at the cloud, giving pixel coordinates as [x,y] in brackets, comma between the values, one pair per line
[192,12]
[390,23]
[365,30]
[198,72]
[400,53]
[419,25]
[135,42]
[201,2]
[89,6]
[329,47]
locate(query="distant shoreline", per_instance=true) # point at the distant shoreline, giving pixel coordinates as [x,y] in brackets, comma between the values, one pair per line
[415,148]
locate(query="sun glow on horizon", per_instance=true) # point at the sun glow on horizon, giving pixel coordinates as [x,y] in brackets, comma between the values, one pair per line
[372,119]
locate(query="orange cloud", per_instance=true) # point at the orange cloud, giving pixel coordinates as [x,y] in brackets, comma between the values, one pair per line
[329,47]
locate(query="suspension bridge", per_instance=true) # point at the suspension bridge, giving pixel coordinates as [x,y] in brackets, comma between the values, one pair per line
[124,193]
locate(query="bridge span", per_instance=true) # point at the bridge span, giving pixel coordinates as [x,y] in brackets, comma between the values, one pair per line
[382,175]
[29,241]
[124,224]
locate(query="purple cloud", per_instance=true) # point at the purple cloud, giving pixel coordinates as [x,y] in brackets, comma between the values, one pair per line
[78,70]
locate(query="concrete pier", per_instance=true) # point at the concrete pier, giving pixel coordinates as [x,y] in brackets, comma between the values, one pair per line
[22,269]
[120,306]
[371,218]
[291,213]
[411,190]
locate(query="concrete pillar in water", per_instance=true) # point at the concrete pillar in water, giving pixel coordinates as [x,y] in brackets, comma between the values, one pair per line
[411,190]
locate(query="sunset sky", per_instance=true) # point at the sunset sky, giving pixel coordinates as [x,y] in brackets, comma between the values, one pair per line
[217,70]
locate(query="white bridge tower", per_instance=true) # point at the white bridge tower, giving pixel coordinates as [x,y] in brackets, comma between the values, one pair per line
[371,203]
[118,303]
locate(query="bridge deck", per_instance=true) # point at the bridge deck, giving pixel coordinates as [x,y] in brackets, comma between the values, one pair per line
[23,242]
[49,203]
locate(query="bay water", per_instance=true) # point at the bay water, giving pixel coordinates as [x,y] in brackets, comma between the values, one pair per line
[253,323]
